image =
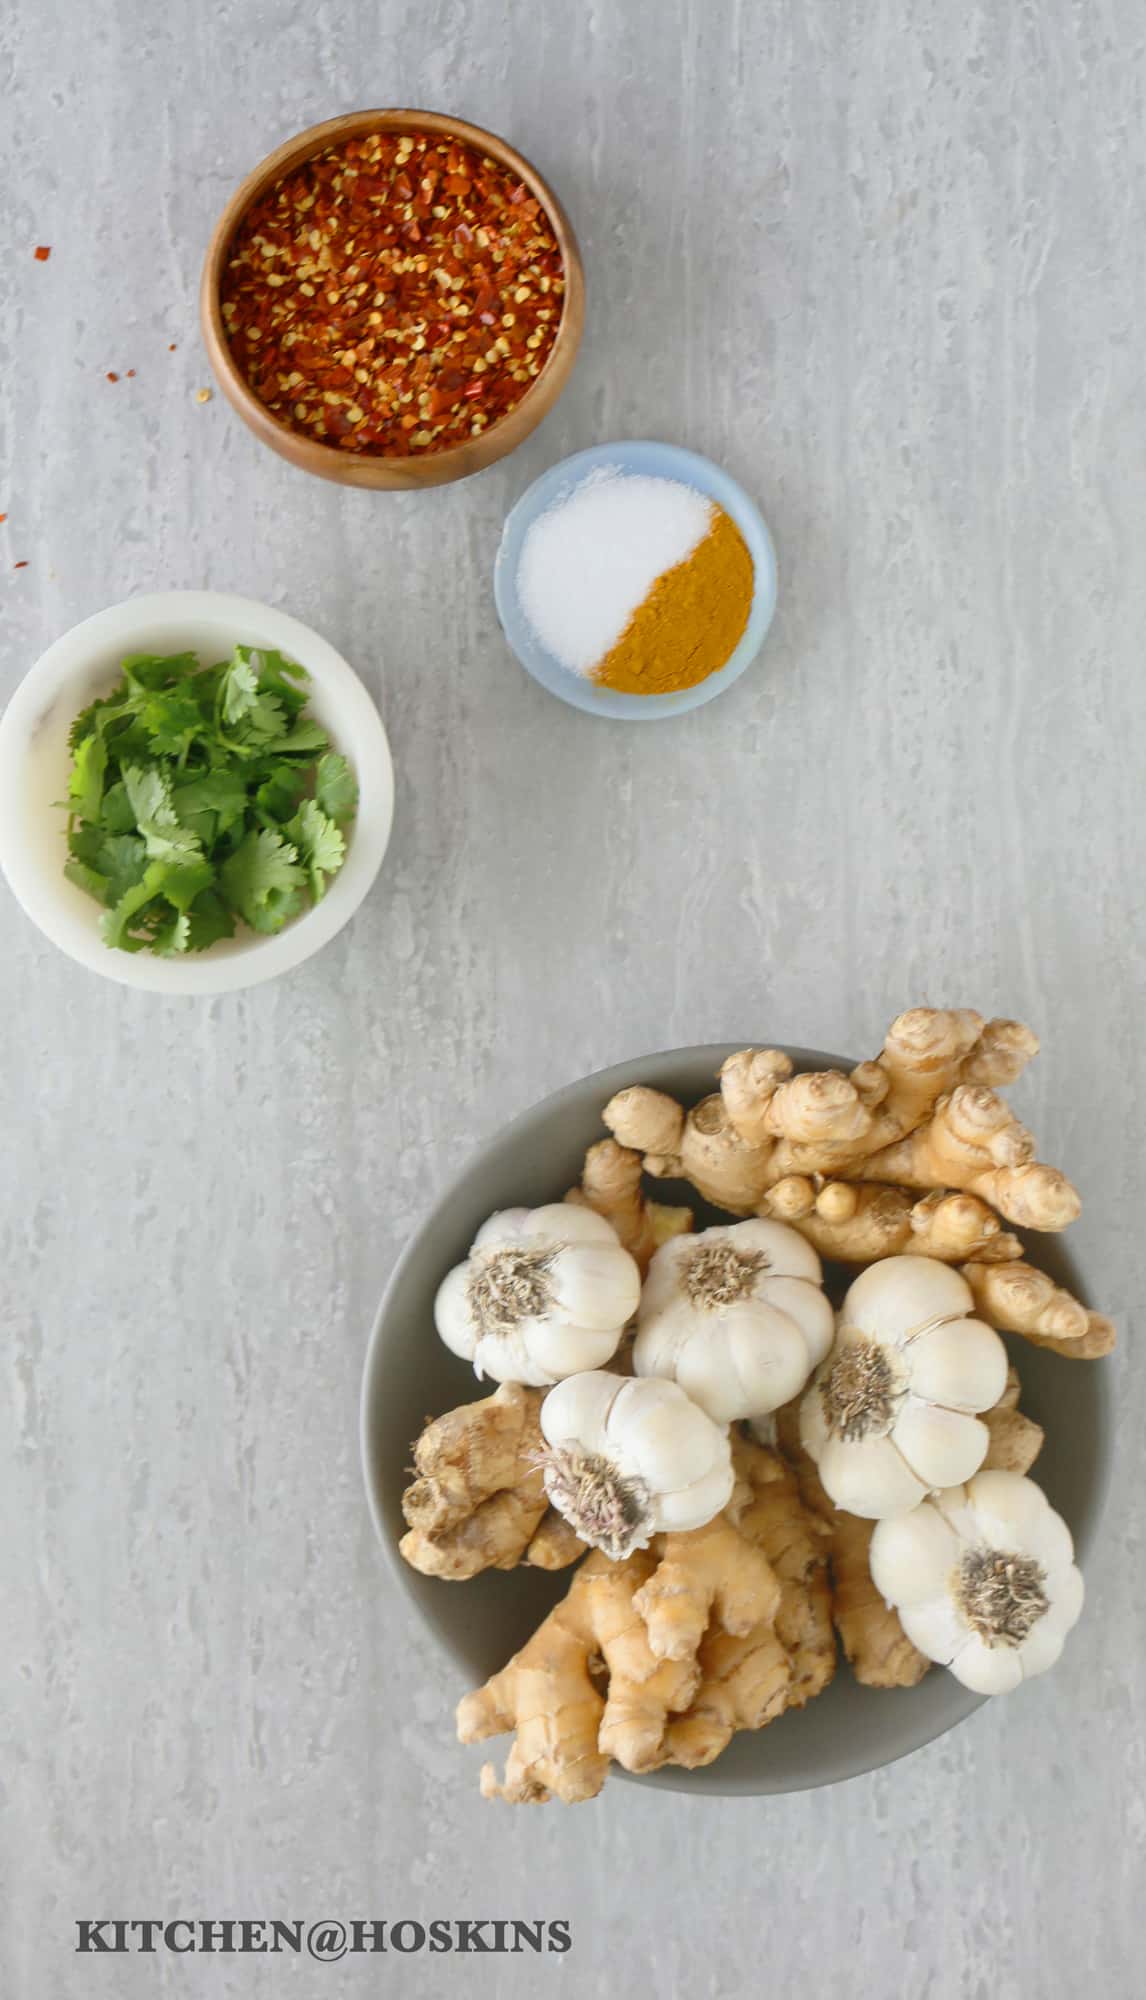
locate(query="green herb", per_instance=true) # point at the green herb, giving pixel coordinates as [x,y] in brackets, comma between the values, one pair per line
[201,797]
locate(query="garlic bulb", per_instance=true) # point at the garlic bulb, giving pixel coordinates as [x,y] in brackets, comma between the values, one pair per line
[891,1416]
[736,1315]
[630,1459]
[544,1292]
[983,1580]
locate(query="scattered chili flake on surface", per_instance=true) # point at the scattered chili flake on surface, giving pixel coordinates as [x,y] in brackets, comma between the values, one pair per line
[171,347]
[130,373]
[112,376]
[20,565]
[42,252]
[395,295]
[202,395]
[3,518]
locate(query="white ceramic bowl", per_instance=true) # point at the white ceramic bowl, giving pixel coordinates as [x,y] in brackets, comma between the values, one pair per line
[34,762]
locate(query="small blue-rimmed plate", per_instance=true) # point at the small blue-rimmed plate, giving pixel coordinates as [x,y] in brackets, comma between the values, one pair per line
[658,461]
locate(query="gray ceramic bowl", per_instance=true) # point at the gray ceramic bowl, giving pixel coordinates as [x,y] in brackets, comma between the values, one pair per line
[409,1374]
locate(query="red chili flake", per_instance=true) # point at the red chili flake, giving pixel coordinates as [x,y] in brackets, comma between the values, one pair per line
[3,517]
[112,376]
[42,252]
[130,373]
[394,295]
[171,347]
[21,565]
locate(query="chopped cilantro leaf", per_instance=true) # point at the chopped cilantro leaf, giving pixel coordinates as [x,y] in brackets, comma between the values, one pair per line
[222,792]
[88,879]
[259,875]
[172,722]
[183,881]
[208,920]
[150,795]
[335,788]
[172,935]
[158,670]
[85,786]
[238,689]
[117,815]
[280,791]
[282,906]
[122,858]
[319,843]
[116,926]
[306,735]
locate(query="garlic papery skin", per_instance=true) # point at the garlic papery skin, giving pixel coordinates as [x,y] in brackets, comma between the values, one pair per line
[737,1316]
[628,1459]
[544,1293]
[893,1413]
[983,1579]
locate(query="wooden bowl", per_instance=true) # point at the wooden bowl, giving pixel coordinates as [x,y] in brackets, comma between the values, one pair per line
[378,470]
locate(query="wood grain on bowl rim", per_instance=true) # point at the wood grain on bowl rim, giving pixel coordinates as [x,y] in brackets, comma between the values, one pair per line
[410,1375]
[377,470]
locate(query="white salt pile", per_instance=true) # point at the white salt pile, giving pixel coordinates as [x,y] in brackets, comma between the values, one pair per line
[592,558]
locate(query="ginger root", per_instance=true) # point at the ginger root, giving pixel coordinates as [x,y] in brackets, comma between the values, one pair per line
[924,1115]
[611,1184]
[1017,1298]
[744,1684]
[1100,1338]
[954,1226]
[716,1591]
[848,1222]
[478,1501]
[858,1222]
[784,1660]
[548,1695]
[769,1511]
[713,1573]
[701,1146]
[660,1658]
[567,1729]
[1016,1441]
[973,1141]
[555,1544]
[825,1122]
[875,1644]
[878,1649]
[648,1122]
[748,1083]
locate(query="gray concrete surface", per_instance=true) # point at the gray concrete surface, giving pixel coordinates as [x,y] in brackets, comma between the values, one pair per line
[887,262]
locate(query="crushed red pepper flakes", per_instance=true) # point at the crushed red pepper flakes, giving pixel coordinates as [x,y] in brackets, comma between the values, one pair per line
[171,347]
[3,518]
[394,295]
[42,252]
[112,376]
[20,565]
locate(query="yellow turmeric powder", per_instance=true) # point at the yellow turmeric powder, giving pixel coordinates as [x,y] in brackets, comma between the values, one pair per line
[691,621]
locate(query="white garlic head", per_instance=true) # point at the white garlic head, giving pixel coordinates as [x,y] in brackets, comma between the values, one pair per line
[628,1459]
[893,1412]
[737,1316]
[544,1292]
[983,1579]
